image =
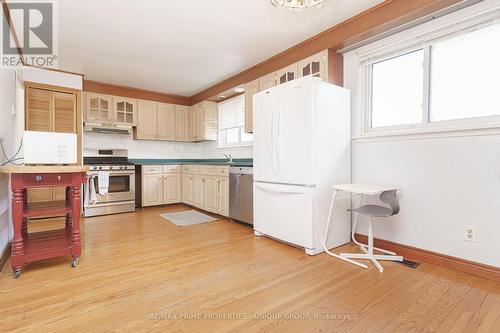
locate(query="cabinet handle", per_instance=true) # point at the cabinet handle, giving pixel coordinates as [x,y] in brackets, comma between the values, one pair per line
[38,178]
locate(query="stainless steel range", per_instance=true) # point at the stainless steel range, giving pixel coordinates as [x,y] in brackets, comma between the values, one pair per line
[111,166]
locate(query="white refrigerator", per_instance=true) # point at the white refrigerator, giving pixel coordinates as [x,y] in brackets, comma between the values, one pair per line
[301,148]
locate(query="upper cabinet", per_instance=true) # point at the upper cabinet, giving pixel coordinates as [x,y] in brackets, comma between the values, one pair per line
[267,81]
[315,65]
[50,111]
[288,73]
[251,88]
[98,108]
[326,65]
[166,122]
[182,114]
[125,111]
[147,121]
[204,121]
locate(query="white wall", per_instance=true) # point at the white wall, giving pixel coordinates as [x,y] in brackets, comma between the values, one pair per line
[8,132]
[446,183]
[160,149]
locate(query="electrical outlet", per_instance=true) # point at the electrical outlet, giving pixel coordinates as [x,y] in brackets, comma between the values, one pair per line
[470,233]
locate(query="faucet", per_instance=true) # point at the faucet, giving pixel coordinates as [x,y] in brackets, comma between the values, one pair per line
[229,158]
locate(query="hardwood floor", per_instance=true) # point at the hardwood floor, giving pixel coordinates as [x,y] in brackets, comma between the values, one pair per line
[139,273]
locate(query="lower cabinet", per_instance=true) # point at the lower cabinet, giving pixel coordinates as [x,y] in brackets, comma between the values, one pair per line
[187,189]
[202,186]
[152,190]
[208,186]
[161,185]
[199,191]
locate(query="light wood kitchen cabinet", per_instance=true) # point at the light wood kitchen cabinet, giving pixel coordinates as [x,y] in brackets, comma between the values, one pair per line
[187,189]
[182,123]
[171,188]
[199,191]
[224,196]
[125,111]
[212,194]
[288,73]
[166,122]
[315,65]
[267,81]
[152,190]
[204,121]
[160,185]
[206,187]
[147,121]
[98,108]
[39,110]
[251,88]
[50,111]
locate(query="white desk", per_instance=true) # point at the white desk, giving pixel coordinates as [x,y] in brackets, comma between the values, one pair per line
[363,190]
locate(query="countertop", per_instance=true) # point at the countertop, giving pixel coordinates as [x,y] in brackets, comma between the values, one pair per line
[236,161]
[43,168]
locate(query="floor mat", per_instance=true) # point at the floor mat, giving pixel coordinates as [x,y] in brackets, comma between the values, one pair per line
[187,218]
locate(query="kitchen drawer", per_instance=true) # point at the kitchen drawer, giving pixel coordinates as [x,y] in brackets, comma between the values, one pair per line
[171,168]
[212,170]
[51,179]
[152,169]
[198,169]
[224,171]
[187,169]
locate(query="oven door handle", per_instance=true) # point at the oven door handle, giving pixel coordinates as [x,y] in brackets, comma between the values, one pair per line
[111,174]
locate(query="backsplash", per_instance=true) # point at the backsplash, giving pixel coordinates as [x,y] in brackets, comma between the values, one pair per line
[161,149]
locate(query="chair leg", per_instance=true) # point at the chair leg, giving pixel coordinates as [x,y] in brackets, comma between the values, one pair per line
[370,236]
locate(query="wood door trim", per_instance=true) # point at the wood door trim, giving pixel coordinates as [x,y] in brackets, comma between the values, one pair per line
[379,19]
[43,86]
[415,253]
[130,92]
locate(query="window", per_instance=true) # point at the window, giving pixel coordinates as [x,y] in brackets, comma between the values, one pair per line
[397,93]
[450,80]
[232,123]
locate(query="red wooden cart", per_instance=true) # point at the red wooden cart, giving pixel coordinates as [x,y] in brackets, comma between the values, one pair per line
[29,247]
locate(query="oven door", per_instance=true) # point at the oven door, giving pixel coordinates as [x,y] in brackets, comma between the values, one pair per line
[121,186]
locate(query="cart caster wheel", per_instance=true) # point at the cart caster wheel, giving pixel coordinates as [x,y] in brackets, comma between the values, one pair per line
[74,262]
[16,273]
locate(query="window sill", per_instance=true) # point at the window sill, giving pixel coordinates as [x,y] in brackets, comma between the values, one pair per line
[427,133]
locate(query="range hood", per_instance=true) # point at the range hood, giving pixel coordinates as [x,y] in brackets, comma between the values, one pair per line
[107,128]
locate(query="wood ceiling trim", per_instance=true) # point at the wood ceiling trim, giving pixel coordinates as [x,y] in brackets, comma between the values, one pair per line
[117,90]
[376,20]
[12,29]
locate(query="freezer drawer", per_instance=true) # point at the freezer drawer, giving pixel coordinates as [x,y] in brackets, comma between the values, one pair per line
[285,212]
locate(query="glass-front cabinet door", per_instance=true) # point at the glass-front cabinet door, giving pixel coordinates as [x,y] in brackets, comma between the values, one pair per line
[314,65]
[99,108]
[288,73]
[125,111]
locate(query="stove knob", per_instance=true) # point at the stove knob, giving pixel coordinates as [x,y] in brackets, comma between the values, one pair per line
[99,168]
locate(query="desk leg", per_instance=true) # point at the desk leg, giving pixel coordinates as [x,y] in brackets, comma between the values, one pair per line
[76,247]
[17,257]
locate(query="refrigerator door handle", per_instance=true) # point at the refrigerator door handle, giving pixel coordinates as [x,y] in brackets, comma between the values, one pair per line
[270,188]
[278,141]
[273,153]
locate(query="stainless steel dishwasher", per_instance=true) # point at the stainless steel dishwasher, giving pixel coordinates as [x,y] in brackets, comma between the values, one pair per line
[241,194]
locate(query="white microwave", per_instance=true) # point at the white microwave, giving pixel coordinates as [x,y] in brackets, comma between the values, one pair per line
[49,148]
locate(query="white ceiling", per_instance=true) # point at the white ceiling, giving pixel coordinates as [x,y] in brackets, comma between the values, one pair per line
[183,46]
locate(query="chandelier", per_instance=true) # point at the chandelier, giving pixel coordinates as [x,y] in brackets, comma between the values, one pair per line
[298,5]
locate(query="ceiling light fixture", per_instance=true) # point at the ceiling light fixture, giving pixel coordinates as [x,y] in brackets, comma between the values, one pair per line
[298,5]
[239,89]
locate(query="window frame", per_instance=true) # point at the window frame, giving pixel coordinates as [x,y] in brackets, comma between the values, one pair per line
[415,42]
[240,143]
